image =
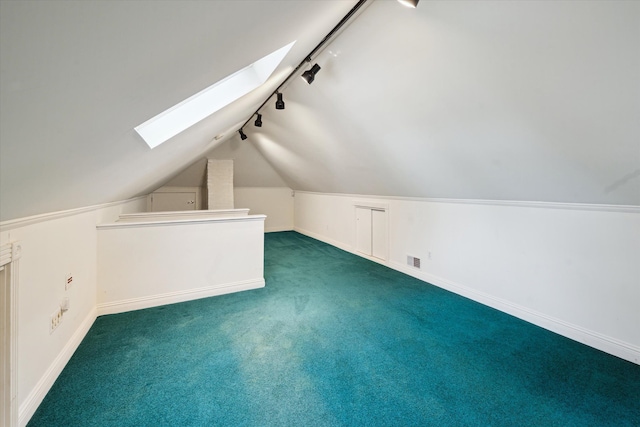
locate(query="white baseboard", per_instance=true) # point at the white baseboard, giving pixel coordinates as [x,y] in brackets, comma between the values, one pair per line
[178,296]
[38,393]
[276,229]
[324,239]
[35,398]
[593,339]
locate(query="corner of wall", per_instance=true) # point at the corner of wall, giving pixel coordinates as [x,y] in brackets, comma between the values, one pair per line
[38,393]
[53,246]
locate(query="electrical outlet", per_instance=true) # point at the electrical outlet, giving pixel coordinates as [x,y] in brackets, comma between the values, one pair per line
[68,281]
[64,305]
[56,319]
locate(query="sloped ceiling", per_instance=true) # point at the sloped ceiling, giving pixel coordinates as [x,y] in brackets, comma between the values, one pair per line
[77,77]
[533,101]
[250,167]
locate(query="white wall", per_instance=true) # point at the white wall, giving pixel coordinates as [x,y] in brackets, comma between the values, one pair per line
[54,245]
[274,202]
[493,100]
[570,268]
[59,243]
[143,265]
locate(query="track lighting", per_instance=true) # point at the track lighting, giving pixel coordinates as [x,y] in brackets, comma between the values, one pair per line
[309,75]
[242,135]
[279,102]
[409,3]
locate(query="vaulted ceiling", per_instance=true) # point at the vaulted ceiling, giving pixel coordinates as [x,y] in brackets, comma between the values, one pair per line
[77,77]
[497,100]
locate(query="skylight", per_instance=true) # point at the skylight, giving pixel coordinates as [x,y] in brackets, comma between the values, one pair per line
[181,116]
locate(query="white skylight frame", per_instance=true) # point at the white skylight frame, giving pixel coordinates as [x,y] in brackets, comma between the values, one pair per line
[181,116]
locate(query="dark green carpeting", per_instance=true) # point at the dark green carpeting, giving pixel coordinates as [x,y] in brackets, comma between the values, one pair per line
[335,340]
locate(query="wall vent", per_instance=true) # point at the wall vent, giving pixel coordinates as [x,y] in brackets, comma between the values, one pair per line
[413,261]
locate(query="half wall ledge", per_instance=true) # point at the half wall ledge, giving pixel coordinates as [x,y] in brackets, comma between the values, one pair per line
[146,263]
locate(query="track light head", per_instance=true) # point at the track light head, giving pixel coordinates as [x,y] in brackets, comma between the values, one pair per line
[258,122]
[310,75]
[279,102]
[409,3]
[242,135]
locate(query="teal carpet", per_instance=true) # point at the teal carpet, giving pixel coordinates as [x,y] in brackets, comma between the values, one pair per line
[335,340]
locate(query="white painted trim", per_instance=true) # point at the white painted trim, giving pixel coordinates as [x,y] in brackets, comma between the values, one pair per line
[178,296]
[29,220]
[174,189]
[340,245]
[38,393]
[6,250]
[184,214]
[368,204]
[264,188]
[514,203]
[277,229]
[189,221]
[14,283]
[11,267]
[331,242]
[593,339]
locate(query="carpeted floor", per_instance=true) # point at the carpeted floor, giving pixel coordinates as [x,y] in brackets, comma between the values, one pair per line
[335,340]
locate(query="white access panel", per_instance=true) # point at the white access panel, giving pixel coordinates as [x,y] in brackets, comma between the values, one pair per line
[379,238]
[363,230]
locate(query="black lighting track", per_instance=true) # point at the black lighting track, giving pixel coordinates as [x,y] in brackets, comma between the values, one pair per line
[309,57]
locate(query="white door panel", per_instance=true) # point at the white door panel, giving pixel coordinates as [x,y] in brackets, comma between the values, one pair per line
[363,230]
[379,234]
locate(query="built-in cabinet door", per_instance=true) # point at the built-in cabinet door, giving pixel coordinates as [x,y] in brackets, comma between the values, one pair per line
[363,230]
[174,201]
[379,238]
[371,232]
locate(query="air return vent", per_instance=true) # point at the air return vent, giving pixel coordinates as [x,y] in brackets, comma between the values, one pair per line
[413,261]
